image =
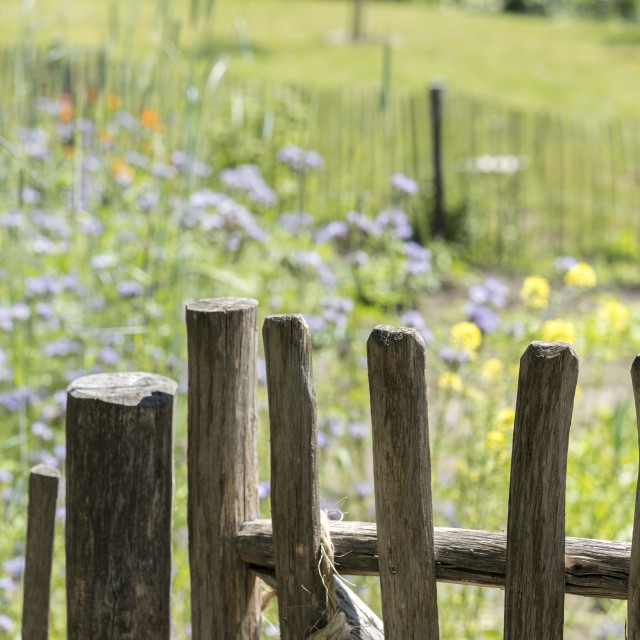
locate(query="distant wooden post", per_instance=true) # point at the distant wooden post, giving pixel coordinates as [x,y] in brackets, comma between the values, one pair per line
[222,337]
[402,472]
[633,600]
[41,524]
[436,93]
[535,569]
[119,505]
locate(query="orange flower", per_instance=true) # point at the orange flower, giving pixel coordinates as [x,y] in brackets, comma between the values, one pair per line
[122,172]
[114,102]
[92,95]
[67,111]
[149,118]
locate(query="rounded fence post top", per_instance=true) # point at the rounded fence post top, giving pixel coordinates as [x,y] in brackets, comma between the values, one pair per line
[129,389]
[222,304]
[45,470]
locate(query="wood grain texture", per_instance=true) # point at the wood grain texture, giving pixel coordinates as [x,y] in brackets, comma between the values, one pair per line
[295,502]
[119,506]
[402,473]
[41,526]
[222,336]
[534,592]
[633,604]
[592,568]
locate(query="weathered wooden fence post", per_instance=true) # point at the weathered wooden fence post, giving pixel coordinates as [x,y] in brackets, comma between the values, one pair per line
[436,93]
[633,600]
[402,471]
[119,506]
[41,524]
[223,465]
[295,498]
[304,592]
[534,576]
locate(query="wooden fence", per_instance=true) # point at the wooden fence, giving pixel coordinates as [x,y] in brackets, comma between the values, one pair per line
[519,183]
[120,482]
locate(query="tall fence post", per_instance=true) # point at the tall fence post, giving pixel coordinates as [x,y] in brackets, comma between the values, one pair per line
[436,93]
[41,525]
[119,506]
[535,566]
[402,472]
[222,336]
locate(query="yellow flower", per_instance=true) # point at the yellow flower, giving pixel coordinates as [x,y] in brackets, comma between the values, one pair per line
[492,369]
[495,440]
[505,419]
[450,380]
[615,316]
[113,101]
[559,331]
[465,335]
[535,292]
[581,275]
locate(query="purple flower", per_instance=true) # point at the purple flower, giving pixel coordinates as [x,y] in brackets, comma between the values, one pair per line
[452,357]
[61,348]
[485,318]
[300,159]
[11,219]
[365,224]
[103,261]
[34,143]
[186,163]
[137,159]
[130,289]
[404,184]
[247,177]
[492,291]
[41,430]
[295,222]
[315,322]
[6,623]
[397,220]
[21,311]
[335,229]
[5,475]
[14,566]
[418,259]
[415,319]
[564,263]
[42,286]
[264,489]
[336,310]
[358,430]
[362,489]
[109,356]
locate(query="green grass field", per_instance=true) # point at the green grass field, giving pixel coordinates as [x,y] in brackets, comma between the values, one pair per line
[578,67]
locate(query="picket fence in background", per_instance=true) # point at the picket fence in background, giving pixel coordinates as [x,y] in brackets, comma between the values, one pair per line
[514,183]
[119,499]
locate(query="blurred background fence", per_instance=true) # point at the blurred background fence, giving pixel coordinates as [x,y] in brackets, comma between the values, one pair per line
[517,184]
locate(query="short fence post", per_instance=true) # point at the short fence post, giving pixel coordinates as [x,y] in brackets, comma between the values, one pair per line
[534,575]
[222,337]
[119,506]
[436,93]
[633,599]
[41,524]
[402,472]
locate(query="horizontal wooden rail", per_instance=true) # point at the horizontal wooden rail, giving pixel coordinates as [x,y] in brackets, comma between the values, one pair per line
[594,568]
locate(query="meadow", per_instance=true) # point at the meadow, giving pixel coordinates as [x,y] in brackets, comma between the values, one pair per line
[129,190]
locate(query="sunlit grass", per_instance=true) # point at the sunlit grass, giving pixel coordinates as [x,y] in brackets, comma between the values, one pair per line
[557,64]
